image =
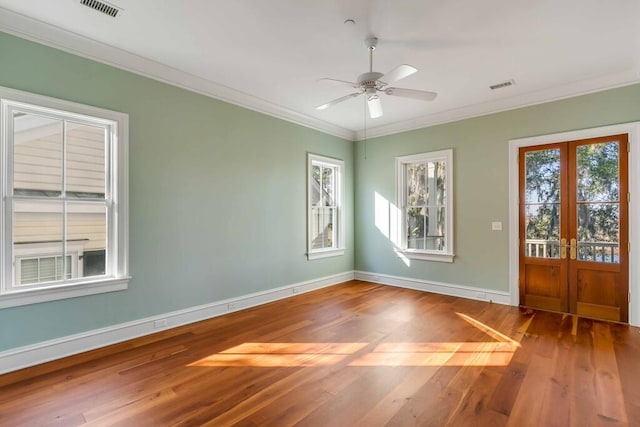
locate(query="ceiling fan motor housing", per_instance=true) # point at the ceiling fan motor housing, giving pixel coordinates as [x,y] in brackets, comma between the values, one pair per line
[370,79]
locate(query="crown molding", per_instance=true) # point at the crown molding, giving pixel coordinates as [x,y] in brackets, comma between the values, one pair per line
[34,30]
[582,87]
[58,38]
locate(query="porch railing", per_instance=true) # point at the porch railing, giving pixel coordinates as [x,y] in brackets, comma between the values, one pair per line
[587,251]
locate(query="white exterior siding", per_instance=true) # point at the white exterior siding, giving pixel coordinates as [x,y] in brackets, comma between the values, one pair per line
[38,162]
[43,227]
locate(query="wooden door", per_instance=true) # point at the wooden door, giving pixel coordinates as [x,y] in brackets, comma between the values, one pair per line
[574,227]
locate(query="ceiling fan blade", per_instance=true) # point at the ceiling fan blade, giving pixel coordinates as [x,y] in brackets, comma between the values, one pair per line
[375,106]
[422,95]
[337,101]
[342,82]
[398,73]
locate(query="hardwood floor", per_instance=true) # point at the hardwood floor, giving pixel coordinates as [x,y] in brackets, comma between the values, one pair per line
[352,354]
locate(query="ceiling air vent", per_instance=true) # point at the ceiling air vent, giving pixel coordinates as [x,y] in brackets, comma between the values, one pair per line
[502,84]
[102,7]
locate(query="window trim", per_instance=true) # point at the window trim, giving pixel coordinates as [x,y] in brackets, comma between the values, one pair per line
[118,174]
[338,250]
[422,254]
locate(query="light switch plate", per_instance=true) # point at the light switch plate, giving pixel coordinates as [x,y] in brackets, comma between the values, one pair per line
[496,226]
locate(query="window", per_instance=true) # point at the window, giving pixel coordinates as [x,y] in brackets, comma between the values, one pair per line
[324,206]
[64,196]
[425,194]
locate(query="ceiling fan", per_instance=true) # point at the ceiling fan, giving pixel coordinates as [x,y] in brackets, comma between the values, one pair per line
[372,82]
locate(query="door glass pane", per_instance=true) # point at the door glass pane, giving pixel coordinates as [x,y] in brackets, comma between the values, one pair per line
[598,209]
[542,203]
[598,232]
[37,155]
[597,172]
[542,230]
[542,176]
[85,160]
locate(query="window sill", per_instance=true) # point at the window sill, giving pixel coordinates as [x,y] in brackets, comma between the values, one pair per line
[34,296]
[428,256]
[325,254]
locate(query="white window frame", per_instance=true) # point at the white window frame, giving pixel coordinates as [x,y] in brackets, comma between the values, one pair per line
[117,263]
[446,255]
[338,247]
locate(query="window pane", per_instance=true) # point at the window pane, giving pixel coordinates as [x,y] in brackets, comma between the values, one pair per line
[436,228]
[87,230]
[85,160]
[440,187]
[416,184]
[416,218]
[597,172]
[37,231]
[315,184]
[37,154]
[328,186]
[322,230]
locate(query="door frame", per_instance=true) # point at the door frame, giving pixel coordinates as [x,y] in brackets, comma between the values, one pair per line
[633,132]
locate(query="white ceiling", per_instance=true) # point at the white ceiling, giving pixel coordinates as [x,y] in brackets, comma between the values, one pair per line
[268,55]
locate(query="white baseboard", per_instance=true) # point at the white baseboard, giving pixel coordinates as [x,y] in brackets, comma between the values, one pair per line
[23,357]
[469,292]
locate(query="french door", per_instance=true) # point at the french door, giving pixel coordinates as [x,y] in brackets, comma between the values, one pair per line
[574,253]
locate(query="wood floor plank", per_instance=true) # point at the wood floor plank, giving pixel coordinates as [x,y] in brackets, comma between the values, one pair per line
[609,397]
[353,354]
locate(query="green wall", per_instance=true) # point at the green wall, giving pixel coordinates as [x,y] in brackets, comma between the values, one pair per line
[217,192]
[217,196]
[480,147]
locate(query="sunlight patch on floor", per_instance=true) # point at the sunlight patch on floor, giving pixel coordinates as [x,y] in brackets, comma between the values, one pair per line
[315,354]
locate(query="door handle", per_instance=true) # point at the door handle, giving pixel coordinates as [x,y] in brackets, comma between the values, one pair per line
[563,248]
[574,249]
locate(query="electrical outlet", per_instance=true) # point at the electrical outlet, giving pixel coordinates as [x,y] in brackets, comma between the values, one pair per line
[160,323]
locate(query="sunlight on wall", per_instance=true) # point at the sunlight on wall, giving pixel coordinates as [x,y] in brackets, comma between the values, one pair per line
[387,220]
[382,214]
